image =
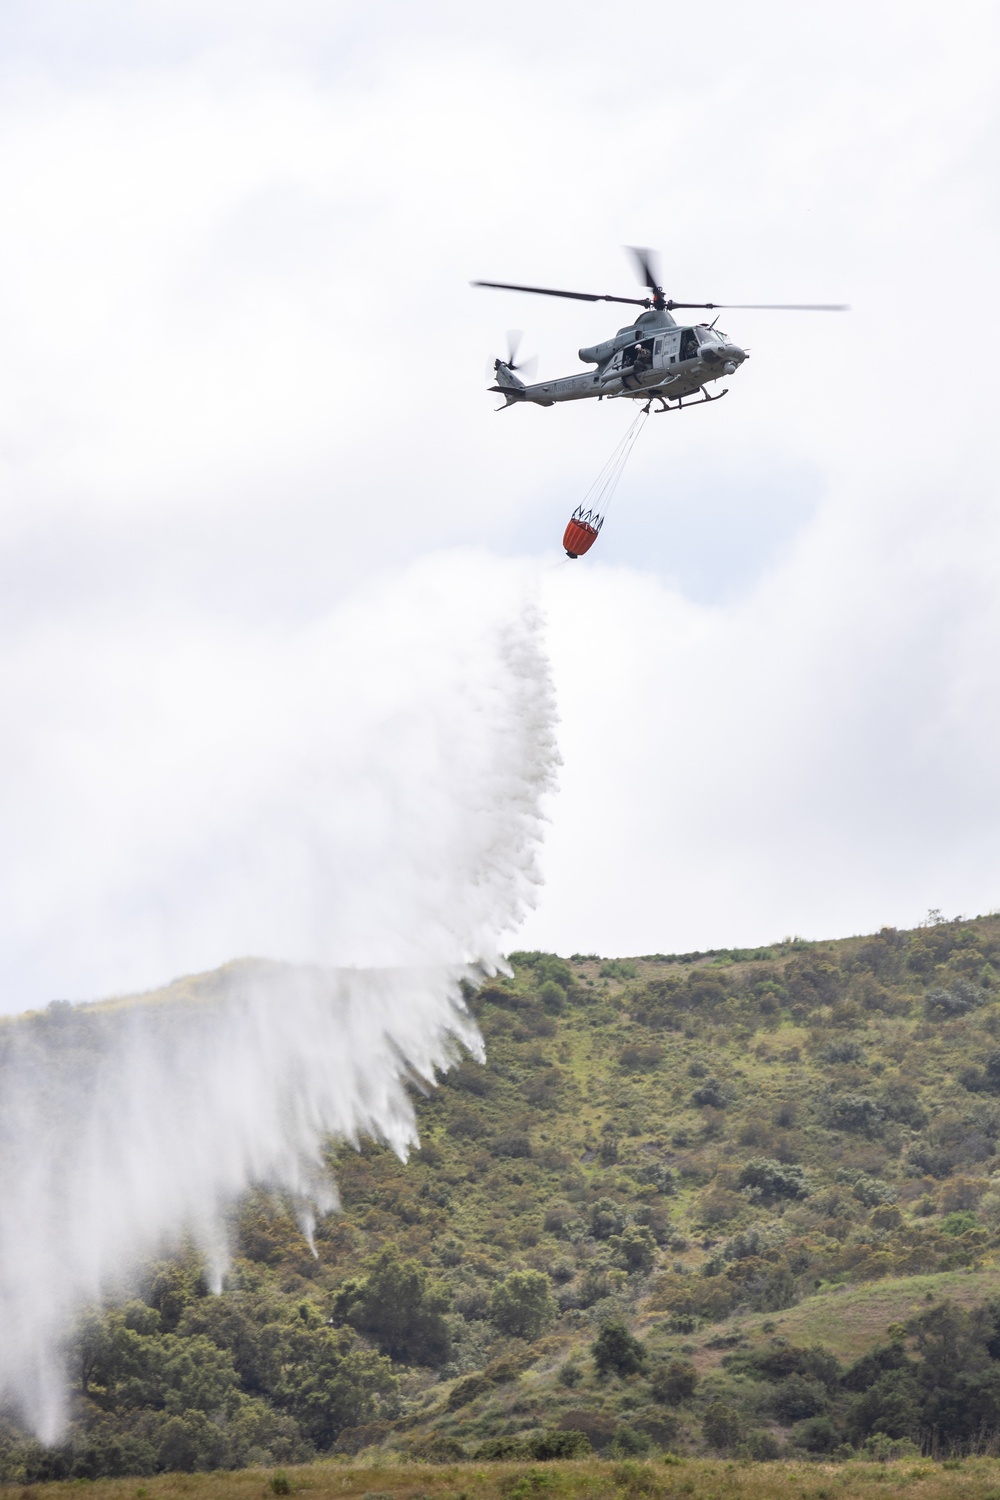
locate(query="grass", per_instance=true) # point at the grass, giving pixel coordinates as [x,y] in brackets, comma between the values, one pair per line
[848,1320]
[685,1479]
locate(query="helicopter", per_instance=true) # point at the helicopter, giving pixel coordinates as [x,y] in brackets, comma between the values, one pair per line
[653,359]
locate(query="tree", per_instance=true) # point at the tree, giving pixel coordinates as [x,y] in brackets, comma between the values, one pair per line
[616,1352]
[396,1305]
[521,1305]
[330,1384]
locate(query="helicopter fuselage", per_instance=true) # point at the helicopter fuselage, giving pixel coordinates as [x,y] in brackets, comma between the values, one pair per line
[653,357]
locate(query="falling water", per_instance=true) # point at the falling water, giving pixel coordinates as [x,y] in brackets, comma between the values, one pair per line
[371,828]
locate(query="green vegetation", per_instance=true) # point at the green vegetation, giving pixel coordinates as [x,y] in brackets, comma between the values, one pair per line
[744,1204]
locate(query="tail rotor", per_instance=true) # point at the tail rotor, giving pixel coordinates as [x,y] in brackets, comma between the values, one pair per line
[529,365]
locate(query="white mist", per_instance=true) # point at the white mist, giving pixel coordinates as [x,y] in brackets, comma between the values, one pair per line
[358,804]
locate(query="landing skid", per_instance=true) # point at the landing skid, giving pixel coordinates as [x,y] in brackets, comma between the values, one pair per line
[664,406]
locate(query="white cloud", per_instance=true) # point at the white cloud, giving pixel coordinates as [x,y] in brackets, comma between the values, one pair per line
[243,371]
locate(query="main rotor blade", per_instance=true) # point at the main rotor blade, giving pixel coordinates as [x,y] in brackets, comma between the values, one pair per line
[769,306]
[644,260]
[548,291]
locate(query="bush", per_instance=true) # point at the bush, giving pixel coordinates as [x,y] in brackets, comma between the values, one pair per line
[722,1426]
[635,1249]
[763,1447]
[467,1389]
[616,1352]
[798,1397]
[559,1443]
[606,1219]
[640,1057]
[674,1382]
[816,1435]
[630,1443]
[712,1094]
[856,1113]
[436,1449]
[599,1426]
[848,1050]
[941,1004]
[594,1285]
[521,1306]
[770,1179]
[552,996]
[617,968]
[959,1222]
[513,1143]
[872,1191]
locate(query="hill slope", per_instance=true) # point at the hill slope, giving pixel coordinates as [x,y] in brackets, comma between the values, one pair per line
[725,1159]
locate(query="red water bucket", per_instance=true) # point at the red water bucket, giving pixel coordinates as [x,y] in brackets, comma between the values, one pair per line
[581,533]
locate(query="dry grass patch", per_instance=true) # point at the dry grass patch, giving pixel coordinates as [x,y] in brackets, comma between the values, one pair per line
[692,1479]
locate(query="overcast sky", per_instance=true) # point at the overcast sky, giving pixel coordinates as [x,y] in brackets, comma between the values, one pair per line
[243,376]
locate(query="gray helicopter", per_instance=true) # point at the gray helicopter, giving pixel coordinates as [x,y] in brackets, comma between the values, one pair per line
[653,359]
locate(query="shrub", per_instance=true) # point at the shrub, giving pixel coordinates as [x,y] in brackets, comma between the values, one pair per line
[816,1435]
[941,1004]
[559,1443]
[959,1222]
[436,1449]
[721,1425]
[770,1179]
[616,1352]
[900,1101]
[557,1216]
[674,1382]
[512,1143]
[857,1113]
[847,1050]
[798,1397]
[872,1190]
[635,1249]
[711,1093]
[606,1219]
[467,1389]
[521,1306]
[962,1192]
[598,1426]
[640,1056]
[617,968]
[762,1446]
[594,1285]
[630,1443]
[499,1450]
[992,1072]
[552,996]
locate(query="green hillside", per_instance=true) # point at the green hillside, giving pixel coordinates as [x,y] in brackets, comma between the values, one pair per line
[736,1203]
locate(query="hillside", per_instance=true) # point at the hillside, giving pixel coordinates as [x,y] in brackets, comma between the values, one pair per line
[759,1180]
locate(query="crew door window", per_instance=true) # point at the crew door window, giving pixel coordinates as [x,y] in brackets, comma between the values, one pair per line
[689,344]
